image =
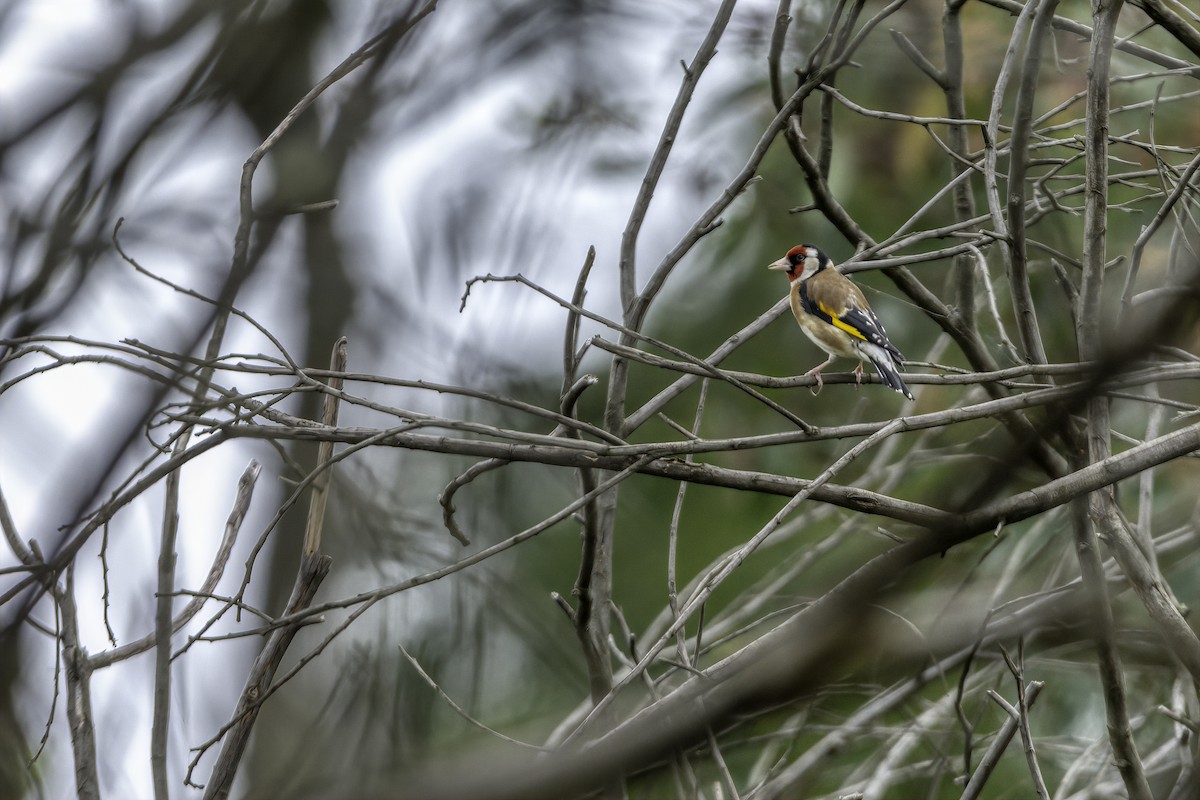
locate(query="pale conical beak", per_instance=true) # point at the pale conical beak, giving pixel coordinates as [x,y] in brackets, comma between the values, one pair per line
[782,265]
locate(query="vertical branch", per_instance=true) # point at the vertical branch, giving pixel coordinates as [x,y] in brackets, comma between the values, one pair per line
[595,647]
[634,307]
[956,107]
[1027,324]
[595,652]
[783,19]
[825,141]
[1120,732]
[320,484]
[1095,222]
[673,533]
[77,669]
[313,570]
[161,719]
[79,693]
[1098,446]
[658,161]
[571,352]
[991,156]
[314,566]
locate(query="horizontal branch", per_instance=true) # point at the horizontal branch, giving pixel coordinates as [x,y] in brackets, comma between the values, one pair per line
[966,378]
[545,449]
[951,527]
[571,455]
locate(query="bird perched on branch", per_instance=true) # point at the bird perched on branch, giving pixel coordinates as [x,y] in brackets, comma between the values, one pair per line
[833,312]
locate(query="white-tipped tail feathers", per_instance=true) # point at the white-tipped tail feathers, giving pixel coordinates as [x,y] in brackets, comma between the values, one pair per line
[887,367]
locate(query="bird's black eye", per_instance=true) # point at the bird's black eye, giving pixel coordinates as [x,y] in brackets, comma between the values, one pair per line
[807,251]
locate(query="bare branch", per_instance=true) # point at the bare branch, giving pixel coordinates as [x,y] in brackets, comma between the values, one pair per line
[991,758]
[320,484]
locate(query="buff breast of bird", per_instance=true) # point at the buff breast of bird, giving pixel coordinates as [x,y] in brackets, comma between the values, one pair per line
[835,315]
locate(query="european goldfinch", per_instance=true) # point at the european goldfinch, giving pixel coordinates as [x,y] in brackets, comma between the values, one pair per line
[833,312]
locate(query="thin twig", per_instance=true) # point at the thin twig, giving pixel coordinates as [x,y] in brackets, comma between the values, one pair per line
[233,524]
[1017,668]
[1183,185]
[462,712]
[1097,446]
[1004,736]
[629,334]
